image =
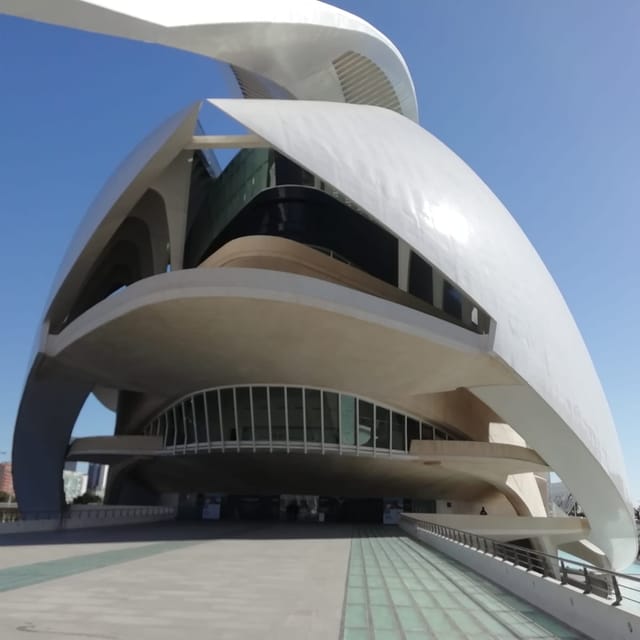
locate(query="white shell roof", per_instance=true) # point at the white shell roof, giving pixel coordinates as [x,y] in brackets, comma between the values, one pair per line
[426,195]
[293,43]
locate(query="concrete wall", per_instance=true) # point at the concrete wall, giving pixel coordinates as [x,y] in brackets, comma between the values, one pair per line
[590,615]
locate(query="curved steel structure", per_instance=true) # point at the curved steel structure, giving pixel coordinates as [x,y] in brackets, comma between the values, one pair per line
[453,317]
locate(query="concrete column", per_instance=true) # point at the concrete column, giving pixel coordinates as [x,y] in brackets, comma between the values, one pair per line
[173,185]
[404,255]
[51,402]
[438,290]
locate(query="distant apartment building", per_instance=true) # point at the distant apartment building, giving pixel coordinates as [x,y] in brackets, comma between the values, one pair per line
[97,478]
[6,478]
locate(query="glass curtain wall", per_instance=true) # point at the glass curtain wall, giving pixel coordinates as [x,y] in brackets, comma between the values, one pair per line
[289,417]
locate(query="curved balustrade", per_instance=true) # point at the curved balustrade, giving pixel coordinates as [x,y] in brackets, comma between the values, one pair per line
[268,417]
[603,583]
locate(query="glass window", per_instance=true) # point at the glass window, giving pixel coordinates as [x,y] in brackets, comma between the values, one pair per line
[383,428]
[213,413]
[179,422]
[439,434]
[228,416]
[260,413]
[365,424]
[413,431]
[420,278]
[189,425]
[452,301]
[331,417]
[295,415]
[427,431]
[171,429]
[348,419]
[201,423]
[276,399]
[397,432]
[312,409]
[243,405]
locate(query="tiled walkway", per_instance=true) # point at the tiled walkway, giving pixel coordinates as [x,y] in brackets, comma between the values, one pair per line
[398,589]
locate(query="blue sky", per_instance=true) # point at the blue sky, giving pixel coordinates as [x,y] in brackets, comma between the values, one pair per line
[542,99]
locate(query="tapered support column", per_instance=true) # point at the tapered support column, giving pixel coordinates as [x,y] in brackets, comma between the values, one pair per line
[51,402]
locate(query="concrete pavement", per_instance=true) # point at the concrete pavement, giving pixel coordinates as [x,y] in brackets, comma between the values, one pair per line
[218,580]
[244,581]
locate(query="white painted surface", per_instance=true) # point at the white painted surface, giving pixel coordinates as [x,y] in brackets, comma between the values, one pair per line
[291,42]
[426,195]
[589,614]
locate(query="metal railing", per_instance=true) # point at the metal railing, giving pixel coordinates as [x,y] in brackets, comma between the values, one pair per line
[605,584]
[88,513]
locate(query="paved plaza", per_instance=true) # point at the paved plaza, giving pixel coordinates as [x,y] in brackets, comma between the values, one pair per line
[249,580]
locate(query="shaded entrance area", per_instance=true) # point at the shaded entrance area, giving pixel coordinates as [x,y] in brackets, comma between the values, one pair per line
[282,508]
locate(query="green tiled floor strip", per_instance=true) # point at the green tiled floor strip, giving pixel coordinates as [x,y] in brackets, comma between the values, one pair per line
[29,574]
[398,589]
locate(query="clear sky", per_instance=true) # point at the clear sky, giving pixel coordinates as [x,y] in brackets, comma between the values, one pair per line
[541,98]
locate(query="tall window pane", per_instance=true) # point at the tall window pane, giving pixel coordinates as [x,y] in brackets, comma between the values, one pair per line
[295,409]
[331,417]
[201,424]
[260,413]
[189,425]
[383,428]
[276,399]
[365,426]
[348,420]
[213,412]
[427,431]
[397,432]
[228,416]
[413,431]
[312,408]
[452,301]
[171,429]
[243,406]
[439,434]
[179,422]
[420,278]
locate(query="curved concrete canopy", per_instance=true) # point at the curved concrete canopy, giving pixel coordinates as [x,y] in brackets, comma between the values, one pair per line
[446,470]
[232,326]
[426,195]
[312,50]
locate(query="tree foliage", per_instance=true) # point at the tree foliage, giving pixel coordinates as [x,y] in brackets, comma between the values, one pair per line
[87,498]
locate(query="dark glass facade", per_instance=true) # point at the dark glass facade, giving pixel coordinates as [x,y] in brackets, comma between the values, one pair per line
[262,193]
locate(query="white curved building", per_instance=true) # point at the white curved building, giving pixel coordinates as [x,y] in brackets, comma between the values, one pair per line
[346,311]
